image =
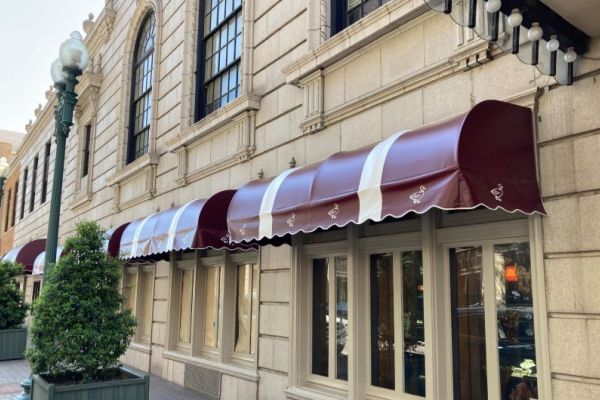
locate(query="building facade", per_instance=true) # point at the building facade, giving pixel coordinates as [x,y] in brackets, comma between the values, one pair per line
[184,99]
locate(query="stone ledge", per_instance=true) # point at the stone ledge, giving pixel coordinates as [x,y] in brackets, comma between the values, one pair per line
[375,25]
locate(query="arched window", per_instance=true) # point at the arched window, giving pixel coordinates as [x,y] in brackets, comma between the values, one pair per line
[140,112]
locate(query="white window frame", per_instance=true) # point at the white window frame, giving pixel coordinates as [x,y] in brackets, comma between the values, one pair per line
[196,352]
[438,232]
[141,293]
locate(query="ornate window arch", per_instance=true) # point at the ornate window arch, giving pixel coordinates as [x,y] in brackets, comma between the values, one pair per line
[140,109]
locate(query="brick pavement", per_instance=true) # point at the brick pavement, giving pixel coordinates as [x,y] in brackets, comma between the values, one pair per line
[13,372]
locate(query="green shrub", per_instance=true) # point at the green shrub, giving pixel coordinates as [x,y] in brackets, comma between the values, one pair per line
[80,324]
[12,307]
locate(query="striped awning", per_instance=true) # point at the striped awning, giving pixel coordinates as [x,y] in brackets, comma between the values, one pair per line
[198,224]
[26,254]
[40,261]
[482,158]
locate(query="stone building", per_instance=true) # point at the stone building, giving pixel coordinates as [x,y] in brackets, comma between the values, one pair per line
[9,142]
[187,100]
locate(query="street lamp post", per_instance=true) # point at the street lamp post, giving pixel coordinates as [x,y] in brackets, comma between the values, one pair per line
[74,57]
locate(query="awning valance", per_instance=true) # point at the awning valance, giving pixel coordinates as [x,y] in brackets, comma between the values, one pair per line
[482,158]
[40,261]
[26,254]
[196,225]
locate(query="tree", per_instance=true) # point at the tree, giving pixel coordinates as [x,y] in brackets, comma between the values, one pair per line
[12,307]
[80,324]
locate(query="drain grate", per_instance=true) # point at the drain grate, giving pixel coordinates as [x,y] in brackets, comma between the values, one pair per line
[203,380]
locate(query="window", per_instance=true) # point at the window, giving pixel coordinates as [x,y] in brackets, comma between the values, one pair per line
[141,91]
[24,194]
[36,290]
[246,331]
[45,172]
[219,65]
[85,157]
[14,205]
[504,359]
[330,286]
[33,184]
[7,209]
[215,307]
[138,293]
[346,12]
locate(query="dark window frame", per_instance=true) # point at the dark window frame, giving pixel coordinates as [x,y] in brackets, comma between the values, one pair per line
[34,173]
[14,205]
[85,158]
[24,194]
[341,16]
[202,106]
[46,171]
[7,209]
[148,23]
[35,292]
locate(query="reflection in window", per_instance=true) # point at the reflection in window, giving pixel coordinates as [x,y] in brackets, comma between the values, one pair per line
[413,324]
[468,323]
[185,316]
[247,309]
[222,44]
[514,306]
[130,289]
[141,97]
[212,303]
[382,321]
[341,317]
[148,303]
[320,317]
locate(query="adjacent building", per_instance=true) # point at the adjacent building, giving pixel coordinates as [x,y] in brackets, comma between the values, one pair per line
[269,167]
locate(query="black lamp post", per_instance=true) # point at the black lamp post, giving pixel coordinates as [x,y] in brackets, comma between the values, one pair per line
[74,57]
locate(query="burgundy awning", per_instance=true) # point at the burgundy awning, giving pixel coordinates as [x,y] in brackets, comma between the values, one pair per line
[113,240]
[198,224]
[482,158]
[26,254]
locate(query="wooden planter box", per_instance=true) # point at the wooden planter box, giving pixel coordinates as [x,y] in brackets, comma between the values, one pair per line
[12,343]
[135,387]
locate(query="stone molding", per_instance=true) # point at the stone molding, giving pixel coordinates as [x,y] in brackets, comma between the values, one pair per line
[239,115]
[313,104]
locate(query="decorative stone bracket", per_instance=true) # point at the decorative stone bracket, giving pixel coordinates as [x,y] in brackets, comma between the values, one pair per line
[135,183]
[313,105]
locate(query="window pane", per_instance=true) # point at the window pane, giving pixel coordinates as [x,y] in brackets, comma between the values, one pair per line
[254,331]
[468,323]
[413,323]
[211,319]
[244,305]
[148,300]
[130,290]
[320,318]
[186,306]
[382,321]
[341,317]
[516,338]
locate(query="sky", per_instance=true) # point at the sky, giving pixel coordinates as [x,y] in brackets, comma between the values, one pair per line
[31,32]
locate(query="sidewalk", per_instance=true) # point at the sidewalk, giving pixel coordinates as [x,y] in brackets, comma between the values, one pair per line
[13,372]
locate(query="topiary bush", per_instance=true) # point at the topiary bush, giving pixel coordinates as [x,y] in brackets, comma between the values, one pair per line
[80,328]
[12,307]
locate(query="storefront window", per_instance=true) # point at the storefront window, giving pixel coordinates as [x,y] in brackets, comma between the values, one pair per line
[516,374]
[211,313]
[382,321]
[148,303]
[514,310]
[468,322]
[413,323]
[187,284]
[247,309]
[130,289]
[320,318]
[341,317]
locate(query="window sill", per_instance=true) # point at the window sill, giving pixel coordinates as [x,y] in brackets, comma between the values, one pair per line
[301,393]
[227,369]
[370,28]
[215,121]
[131,169]
[142,348]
